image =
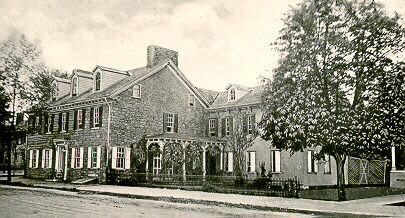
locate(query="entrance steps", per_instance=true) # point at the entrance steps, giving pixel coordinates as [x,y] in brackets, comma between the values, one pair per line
[84,180]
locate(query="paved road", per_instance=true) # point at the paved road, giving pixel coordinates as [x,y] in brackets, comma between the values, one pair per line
[21,202]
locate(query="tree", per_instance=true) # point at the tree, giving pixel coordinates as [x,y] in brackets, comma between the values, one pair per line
[4,122]
[333,53]
[240,140]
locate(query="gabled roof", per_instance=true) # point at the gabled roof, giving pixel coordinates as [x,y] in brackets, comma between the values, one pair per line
[237,86]
[110,70]
[210,95]
[252,97]
[82,73]
[59,79]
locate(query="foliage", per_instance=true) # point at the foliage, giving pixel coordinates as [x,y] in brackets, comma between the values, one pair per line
[172,157]
[239,141]
[334,55]
[194,158]
[139,158]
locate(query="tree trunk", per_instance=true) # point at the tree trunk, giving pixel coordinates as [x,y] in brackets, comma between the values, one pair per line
[340,168]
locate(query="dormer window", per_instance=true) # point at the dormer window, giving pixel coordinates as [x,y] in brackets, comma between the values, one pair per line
[136,92]
[232,95]
[97,82]
[191,100]
[74,86]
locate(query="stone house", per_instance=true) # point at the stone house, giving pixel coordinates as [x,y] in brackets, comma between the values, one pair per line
[92,127]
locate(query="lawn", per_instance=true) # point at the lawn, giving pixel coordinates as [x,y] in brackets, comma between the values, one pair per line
[352,193]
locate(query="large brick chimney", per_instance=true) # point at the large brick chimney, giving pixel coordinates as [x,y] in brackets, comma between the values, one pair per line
[157,54]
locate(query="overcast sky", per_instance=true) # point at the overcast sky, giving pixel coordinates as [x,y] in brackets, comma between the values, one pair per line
[219,42]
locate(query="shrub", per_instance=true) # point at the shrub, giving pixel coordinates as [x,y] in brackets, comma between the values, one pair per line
[240,181]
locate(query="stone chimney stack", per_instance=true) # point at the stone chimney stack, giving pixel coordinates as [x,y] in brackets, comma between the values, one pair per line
[157,54]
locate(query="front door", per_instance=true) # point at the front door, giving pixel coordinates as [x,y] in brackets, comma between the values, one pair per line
[157,165]
[61,160]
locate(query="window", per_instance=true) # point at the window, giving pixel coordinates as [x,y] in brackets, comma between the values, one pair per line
[212,127]
[34,155]
[63,122]
[120,158]
[327,164]
[250,124]
[251,161]
[50,123]
[97,84]
[229,162]
[94,157]
[156,164]
[77,158]
[79,118]
[312,163]
[275,161]
[136,91]
[170,123]
[232,95]
[96,116]
[74,86]
[228,125]
[191,100]
[47,158]
[36,121]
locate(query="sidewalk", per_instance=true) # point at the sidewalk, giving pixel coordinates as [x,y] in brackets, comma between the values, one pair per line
[372,206]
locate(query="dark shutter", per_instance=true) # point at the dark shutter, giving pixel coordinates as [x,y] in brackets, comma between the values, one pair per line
[231,125]
[60,122]
[67,121]
[91,117]
[40,123]
[46,122]
[164,122]
[83,118]
[223,127]
[207,127]
[75,119]
[253,119]
[52,124]
[100,116]
[176,123]
[216,127]
[30,124]
[245,124]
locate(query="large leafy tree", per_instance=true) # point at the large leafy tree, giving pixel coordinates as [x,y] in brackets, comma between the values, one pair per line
[334,56]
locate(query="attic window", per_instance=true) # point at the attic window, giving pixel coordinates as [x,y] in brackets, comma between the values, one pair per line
[191,100]
[232,95]
[97,83]
[136,91]
[74,86]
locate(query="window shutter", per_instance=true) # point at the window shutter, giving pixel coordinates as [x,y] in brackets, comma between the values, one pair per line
[230,161]
[164,122]
[100,116]
[67,121]
[52,122]
[231,125]
[75,119]
[83,118]
[278,161]
[46,122]
[223,127]
[309,161]
[216,127]
[72,164]
[207,127]
[176,123]
[252,161]
[81,157]
[245,124]
[89,157]
[91,117]
[50,158]
[30,162]
[37,159]
[127,158]
[315,165]
[40,123]
[43,158]
[60,122]
[114,158]
[98,156]
[57,158]
[253,120]
[327,164]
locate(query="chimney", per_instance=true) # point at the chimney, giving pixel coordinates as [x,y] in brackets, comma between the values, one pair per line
[157,54]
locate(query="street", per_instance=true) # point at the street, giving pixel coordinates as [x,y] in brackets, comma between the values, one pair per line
[24,202]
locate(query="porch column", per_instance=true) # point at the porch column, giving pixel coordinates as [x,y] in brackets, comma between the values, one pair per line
[393,158]
[203,165]
[66,161]
[221,159]
[147,160]
[184,144]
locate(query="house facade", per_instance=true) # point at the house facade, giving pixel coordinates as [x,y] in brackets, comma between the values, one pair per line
[93,126]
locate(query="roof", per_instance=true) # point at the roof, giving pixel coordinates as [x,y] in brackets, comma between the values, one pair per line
[82,73]
[237,86]
[210,95]
[184,137]
[59,79]
[110,70]
[252,97]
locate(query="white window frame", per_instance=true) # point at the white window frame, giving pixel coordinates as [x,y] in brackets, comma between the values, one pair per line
[327,169]
[64,122]
[34,159]
[94,157]
[120,161]
[312,163]
[228,126]
[96,116]
[251,161]
[36,121]
[170,123]
[232,94]
[77,159]
[191,100]
[137,91]
[275,161]
[75,86]
[79,118]
[157,164]
[250,124]
[47,158]
[50,123]
[211,126]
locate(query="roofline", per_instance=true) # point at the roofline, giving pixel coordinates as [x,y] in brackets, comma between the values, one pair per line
[81,74]
[230,106]
[110,70]
[60,79]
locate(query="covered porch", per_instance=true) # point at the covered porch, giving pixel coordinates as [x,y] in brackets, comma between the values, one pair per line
[397,174]
[172,155]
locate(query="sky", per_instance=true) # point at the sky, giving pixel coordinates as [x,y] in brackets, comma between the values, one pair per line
[219,42]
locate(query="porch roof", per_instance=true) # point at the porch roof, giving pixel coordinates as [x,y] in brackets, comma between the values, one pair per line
[184,138]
